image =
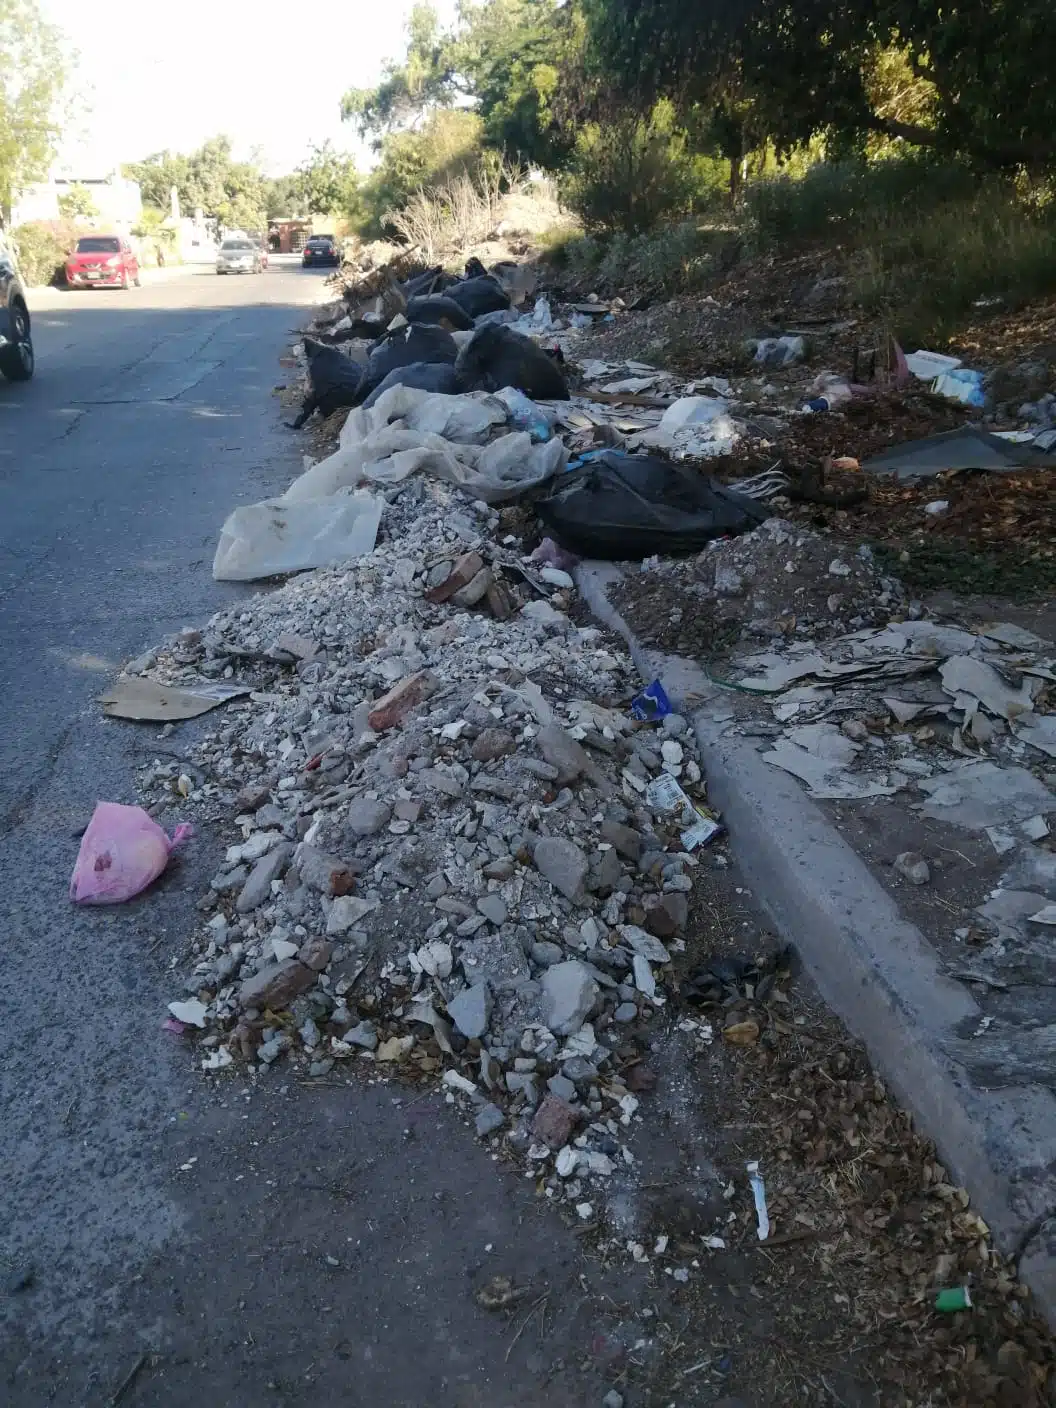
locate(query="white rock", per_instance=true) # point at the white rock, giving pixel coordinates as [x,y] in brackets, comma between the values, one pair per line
[643,976]
[191,1013]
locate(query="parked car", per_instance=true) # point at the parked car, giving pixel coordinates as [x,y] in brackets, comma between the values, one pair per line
[104,261]
[321,249]
[239,255]
[16,345]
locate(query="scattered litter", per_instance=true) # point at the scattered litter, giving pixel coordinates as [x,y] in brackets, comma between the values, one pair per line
[132,697]
[623,506]
[779,351]
[950,1301]
[652,704]
[965,448]
[279,536]
[122,851]
[961,384]
[759,1195]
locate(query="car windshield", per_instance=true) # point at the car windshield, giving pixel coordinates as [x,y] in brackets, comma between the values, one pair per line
[243,245]
[321,242]
[98,244]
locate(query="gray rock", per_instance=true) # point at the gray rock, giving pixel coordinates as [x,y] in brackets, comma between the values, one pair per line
[626,1012]
[364,1035]
[493,908]
[436,887]
[562,863]
[227,880]
[562,1087]
[546,954]
[500,869]
[569,996]
[491,744]
[562,752]
[257,888]
[470,1010]
[612,1399]
[489,1120]
[605,872]
[627,841]
[668,917]
[580,1070]
[366,816]
[912,866]
[523,1083]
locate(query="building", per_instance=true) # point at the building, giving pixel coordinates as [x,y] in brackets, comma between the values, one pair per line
[117,199]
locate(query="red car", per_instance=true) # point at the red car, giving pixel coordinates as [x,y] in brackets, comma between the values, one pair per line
[104,260]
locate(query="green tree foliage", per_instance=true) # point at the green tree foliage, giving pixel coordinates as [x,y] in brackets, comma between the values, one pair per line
[32,77]
[234,192]
[447,143]
[514,63]
[805,66]
[77,204]
[327,183]
[631,173]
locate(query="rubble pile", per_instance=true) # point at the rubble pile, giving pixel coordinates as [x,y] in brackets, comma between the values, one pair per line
[780,582]
[457,851]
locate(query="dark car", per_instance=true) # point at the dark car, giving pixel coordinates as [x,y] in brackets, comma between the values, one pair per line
[16,345]
[321,249]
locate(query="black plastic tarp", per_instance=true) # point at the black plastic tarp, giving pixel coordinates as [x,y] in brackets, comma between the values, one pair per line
[623,506]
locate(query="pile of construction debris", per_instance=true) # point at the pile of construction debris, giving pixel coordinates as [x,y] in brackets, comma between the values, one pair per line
[458,851]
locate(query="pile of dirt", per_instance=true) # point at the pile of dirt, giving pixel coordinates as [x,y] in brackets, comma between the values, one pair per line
[783,580]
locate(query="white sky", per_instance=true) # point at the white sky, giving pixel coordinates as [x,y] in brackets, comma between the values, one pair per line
[269,76]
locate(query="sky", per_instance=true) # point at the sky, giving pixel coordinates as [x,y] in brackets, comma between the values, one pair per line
[269,76]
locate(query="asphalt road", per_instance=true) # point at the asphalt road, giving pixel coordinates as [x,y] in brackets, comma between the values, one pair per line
[292,1246]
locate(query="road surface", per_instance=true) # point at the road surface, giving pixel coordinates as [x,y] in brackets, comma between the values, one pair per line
[290,1247]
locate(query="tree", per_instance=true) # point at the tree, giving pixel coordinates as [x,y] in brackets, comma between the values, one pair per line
[327,182]
[77,204]
[514,63]
[807,66]
[234,192]
[33,74]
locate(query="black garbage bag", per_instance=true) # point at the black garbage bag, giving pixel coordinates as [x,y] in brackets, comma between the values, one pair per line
[425,283]
[413,342]
[496,356]
[425,376]
[480,295]
[621,506]
[475,269]
[333,381]
[438,309]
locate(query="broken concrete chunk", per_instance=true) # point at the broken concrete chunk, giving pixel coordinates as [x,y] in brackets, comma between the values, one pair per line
[562,751]
[366,817]
[563,864]
[489,1121]
[668,916]
[257,888]
[569,996]
[627,841]
[474,589]
[347,911]
[276,985]
[471,1010]
[323,872]
[315,953]
[491,744]
[493,908]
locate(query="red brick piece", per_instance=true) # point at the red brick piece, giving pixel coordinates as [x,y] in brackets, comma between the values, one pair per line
[393,707]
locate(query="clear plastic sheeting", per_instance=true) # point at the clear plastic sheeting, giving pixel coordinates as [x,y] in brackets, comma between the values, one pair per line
[279,536]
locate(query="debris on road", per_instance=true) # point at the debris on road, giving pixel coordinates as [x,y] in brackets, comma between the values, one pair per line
[131,697]
[123,850]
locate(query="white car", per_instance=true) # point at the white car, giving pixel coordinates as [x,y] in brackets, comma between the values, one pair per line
[239,256]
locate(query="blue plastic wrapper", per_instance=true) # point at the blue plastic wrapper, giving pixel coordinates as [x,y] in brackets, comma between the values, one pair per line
[651,704]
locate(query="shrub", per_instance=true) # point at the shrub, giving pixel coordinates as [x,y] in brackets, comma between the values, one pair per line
[451,218]
[41,248]
[628,176]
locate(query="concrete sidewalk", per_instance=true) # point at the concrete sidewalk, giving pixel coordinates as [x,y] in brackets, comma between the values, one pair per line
[874,968]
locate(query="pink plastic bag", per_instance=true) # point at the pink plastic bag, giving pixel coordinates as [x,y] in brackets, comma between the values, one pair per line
[122,851]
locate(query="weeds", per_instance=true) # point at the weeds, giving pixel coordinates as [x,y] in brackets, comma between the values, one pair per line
[450,218]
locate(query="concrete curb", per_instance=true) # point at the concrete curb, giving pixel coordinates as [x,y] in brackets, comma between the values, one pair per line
[876,970]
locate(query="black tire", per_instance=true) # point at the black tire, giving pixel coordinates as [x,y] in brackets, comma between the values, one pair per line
[16,358]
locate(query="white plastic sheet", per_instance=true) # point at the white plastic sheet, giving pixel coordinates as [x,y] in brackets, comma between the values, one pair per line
[282,535]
